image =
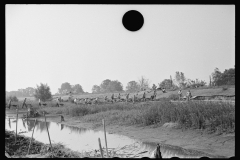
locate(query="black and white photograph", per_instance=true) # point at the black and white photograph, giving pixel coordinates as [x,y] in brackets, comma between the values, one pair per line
[120,80]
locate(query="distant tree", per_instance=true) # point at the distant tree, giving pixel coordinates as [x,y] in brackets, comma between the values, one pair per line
[132,86]
[166,83]
[195,83]
[30,91]
[96,89]
[180,79]
[228,76]
[154,87]
[43,92]
[144,83]
[217,77]
[77,89]
[114,86]
[12,98]
[65,87]
[104,85]
[225,78]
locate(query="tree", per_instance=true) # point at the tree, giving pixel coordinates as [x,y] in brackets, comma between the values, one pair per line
[77,89]
[43,92]
[143,83]
[166,83]
[12,98]
[180,79]
[225,78]
[30,91]
[154,87]
[104,85]
[114,86]
[217,77]
[65,88]
[96,89]
[132,86]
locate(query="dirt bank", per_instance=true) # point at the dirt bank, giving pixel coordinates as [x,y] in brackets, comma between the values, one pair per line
[213,144]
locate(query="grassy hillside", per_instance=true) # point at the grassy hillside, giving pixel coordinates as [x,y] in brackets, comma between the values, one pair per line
[160,94]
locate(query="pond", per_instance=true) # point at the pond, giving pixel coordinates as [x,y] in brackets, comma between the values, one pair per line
[86,140]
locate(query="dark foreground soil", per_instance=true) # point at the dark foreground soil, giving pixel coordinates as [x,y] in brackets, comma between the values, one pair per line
[37,150]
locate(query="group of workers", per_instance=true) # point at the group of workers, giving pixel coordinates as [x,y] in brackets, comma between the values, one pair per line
[118,98]
[188,95]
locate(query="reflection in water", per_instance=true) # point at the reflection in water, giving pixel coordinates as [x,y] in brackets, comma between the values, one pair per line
[9,123]
[62,126]
[82,139]
[24,123]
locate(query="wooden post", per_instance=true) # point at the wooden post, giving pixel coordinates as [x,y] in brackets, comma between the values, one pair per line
[100,147]
[24,102]
[16,125]
[171,80]
[9,104]
[47,130]
[32,137]
[105,136]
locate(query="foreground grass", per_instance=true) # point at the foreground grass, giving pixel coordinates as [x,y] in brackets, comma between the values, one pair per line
[21,147]
[214,117]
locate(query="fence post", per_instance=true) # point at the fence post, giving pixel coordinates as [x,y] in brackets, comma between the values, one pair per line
[16,125]
[105,136]
[100,147]
[47,129]
[32,137]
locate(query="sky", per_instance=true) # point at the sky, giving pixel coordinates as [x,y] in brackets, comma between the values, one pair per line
[86,44]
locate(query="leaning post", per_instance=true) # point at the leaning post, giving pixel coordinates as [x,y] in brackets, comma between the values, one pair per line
[47,129]
[16,125]
[105,136]
[32,137]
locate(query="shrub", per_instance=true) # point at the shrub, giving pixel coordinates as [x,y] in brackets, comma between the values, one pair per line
[173,97]
[13,98]
[43,92]
[225,88]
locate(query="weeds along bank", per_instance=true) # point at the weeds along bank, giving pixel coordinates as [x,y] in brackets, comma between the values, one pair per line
[20,149]
[213,117]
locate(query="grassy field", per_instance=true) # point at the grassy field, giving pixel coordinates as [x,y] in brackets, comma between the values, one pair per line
[210,116]
[213,117]
[195,92]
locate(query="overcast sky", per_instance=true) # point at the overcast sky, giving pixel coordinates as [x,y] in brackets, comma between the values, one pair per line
[86,44]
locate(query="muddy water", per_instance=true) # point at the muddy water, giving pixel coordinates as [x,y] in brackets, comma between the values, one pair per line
[85,140]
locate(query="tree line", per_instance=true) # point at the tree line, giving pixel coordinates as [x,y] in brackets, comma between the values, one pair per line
[217,78]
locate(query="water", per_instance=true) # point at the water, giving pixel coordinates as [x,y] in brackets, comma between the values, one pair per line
[85,140]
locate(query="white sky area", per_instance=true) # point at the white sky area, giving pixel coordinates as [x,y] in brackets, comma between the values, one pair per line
[86,44]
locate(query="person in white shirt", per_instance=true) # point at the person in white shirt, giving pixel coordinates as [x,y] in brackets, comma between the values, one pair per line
[39,102]
[189,95]
[127,97]
[180,94]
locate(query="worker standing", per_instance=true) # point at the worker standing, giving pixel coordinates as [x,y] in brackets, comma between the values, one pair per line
[57,102]
[155,94]
[180,94]
[189,95]
[144,96]
[127,96]
[112,97]
[39,102]
[119,96]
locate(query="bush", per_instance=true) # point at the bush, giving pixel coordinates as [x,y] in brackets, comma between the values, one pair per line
[173,97]
[43,92]
[225,88]
[13,98]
